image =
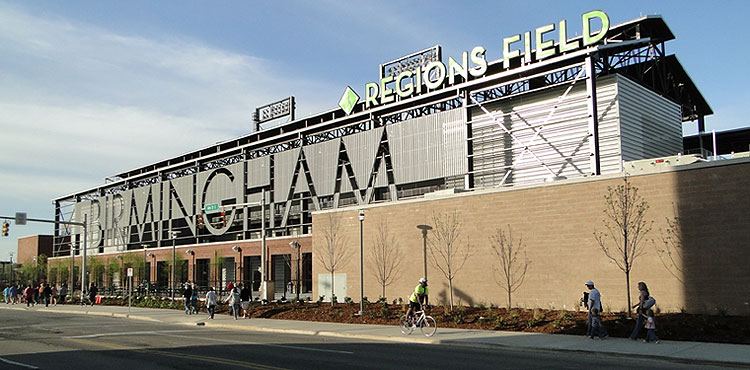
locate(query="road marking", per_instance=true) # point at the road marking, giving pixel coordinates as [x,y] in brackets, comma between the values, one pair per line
[221,361]
[261,344]
[18,363]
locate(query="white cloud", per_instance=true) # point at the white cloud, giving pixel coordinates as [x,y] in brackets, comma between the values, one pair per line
[80,103]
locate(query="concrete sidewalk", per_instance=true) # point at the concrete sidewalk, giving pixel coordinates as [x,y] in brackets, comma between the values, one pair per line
[708,353]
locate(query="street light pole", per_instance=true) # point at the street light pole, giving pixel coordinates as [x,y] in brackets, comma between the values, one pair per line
[424,229]
[238,277]
[361,265]
[173,234]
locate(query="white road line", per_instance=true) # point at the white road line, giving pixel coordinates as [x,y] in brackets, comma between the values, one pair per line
[18,363]
[259,344]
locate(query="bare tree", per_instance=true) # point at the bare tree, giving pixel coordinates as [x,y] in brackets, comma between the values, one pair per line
[512,268]
[625,221]
[447,252]
[333,251]
[385,256]
[671,254]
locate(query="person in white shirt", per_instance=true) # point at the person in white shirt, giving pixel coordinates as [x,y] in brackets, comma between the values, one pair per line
[210,302]
[594,302]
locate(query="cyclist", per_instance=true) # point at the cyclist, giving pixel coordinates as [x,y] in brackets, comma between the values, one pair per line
[418,297]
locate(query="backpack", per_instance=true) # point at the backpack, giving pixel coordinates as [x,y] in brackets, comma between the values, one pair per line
[650,302]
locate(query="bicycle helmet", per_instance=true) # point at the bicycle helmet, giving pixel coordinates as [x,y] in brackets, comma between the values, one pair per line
[422,281]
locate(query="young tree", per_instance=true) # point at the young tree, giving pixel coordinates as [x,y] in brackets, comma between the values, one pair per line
[671,254]
[332,252]
[626,226]
[385,256]
[512,268]
[447,252]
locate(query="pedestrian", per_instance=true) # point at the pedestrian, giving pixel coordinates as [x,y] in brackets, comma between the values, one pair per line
[35,294]
[6,294]
[29,294]
[13,294]
[54,295]
[245,300]
[597,329]
[594,302]
[210,302]
[641,306]
[187,293]
[92,293]
[233,299]
[47,293]
[230,288]
[650,327]
[194,300]
[63,292]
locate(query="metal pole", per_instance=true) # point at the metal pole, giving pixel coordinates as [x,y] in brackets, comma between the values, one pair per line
[174,261]
[130,295]
[716,151]
[424,251]
[361,265]
[263,236]
[83,262]
[299,271]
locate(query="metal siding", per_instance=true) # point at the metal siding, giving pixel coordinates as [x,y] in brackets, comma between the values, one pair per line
[362,148]
[284,163]
[322,158]
[428,147]
[258,172]
[562,144]
[221,187]
[454,143]
[184,188]
[651,124]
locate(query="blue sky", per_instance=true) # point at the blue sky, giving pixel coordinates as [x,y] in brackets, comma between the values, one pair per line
[92,88]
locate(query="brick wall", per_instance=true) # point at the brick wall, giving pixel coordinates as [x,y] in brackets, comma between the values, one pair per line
[556,223]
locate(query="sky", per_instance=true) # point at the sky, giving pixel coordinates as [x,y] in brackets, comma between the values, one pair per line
[93,88]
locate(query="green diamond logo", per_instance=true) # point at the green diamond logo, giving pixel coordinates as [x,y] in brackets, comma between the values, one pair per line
[348,100]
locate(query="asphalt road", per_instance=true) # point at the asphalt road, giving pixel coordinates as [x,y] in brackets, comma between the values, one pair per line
[31,339]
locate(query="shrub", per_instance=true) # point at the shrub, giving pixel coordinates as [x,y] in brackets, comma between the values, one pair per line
[348,300]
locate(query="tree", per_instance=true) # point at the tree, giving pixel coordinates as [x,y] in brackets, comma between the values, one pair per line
[512,268]
[95,269]
[385,256]
[332,252]
[671,254]
[626,226]
[447,252]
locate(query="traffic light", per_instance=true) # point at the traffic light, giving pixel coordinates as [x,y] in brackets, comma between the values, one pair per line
[223,219]
[6,228]
[200,221]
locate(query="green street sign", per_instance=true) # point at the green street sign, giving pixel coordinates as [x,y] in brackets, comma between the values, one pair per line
[211,207]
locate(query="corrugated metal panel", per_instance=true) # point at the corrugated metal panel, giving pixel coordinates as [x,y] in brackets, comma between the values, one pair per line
[454,142]
[562,144]
[651,124]
[258,172]
[428,147]
[362,148]
[609,125]
[283,164]
[221,186]
[322,158]
[183,186]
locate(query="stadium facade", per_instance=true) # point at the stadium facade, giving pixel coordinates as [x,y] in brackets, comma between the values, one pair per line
[549,114]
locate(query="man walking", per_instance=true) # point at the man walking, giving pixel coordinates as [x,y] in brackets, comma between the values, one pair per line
[594,306]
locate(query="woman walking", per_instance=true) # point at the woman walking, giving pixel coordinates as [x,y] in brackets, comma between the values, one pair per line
[643,297]
[234,302]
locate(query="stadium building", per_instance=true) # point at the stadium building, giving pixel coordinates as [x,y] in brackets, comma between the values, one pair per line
[527,144]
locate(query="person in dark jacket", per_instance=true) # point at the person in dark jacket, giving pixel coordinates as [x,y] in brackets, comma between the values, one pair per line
[187,294]
[47,294]
[92,293]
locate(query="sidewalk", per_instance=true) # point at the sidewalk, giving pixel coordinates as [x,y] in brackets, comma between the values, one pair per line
[709,353]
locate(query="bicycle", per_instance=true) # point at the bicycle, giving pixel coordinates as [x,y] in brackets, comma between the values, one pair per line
[425,322]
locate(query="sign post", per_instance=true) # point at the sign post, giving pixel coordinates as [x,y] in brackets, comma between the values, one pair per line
[130,286]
